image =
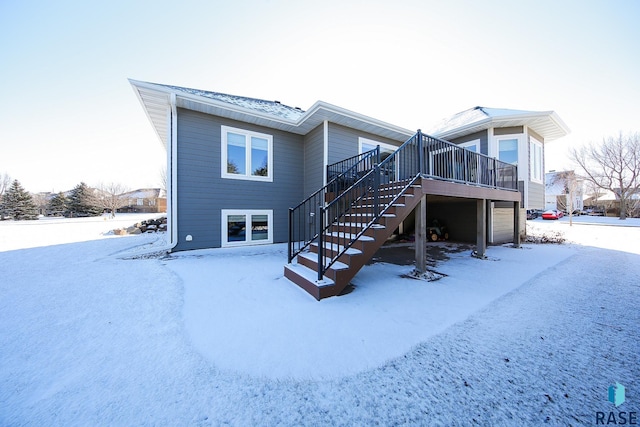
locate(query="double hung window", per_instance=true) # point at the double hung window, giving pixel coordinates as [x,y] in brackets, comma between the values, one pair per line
[246,155]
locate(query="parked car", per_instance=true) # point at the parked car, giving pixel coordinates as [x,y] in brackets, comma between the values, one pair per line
[532,213]
[552,214]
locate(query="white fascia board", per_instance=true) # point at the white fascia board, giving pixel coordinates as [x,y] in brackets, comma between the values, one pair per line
[519,119]
[137,85]
[322,105]
[307,118]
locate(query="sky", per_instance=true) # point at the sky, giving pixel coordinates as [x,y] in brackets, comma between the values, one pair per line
[69,115]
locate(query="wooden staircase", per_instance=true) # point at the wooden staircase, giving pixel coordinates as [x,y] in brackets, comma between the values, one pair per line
[304,271]
[337,229]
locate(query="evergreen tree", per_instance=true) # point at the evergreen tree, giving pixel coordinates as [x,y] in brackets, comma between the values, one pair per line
[18,203]
[58,205]
[83,202]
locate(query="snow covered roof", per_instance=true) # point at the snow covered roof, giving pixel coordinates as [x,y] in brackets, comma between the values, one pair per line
[157,101]
[145,193]
[546,123]
[274,108]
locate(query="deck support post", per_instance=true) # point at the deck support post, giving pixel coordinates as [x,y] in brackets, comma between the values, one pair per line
[421,235]
[481,228]
[516,224]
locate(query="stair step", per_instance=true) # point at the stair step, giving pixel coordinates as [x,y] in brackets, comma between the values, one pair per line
[357,224]
[388,215]
[314,258]
[309,275]
[337,248]
[347,236]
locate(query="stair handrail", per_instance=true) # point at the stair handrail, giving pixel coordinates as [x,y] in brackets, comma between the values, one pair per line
[335,169]
[385,173]
[306,210]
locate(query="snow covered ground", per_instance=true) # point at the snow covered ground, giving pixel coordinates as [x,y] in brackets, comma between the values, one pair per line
[531,336]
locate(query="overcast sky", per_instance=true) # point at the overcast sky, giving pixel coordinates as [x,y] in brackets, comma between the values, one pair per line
[68,113]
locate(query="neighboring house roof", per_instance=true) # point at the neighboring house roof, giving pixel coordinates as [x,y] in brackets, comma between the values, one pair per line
[545,123]
[156,99]
[145,193]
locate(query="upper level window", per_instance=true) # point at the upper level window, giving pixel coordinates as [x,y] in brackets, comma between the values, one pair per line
[246,155]
[367,145]
[508,150]
[535,158]
[472,145]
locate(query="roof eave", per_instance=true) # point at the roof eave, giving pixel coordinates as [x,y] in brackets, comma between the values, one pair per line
[559,130]
[310,119]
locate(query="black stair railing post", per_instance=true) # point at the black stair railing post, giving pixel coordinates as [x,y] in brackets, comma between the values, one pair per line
[376,191]
[420,153]
[465,168]
[320,242]
[289,247]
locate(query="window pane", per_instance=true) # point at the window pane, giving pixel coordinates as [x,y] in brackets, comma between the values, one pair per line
[236,228]
[259,227]
[367,147]
[259,157]
[508,150]
[236,153]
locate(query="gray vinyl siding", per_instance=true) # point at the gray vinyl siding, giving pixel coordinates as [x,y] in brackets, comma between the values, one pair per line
[343,142]
[202,192]
[313,161]
[482,136]
[536,196]
[502,225]
[502,222]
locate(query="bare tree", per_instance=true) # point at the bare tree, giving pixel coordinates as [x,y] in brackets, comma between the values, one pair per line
[163,178]
[111,198]
[613,165]
[41,202]
[5,182]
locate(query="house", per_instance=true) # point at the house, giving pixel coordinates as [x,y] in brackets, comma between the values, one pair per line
[517,137]
[144,200]
[564,191]
[333,183]
[607,202]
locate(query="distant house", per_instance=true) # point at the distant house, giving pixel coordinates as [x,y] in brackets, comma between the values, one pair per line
[564,191]
[145,200]
[335,184]
[608,203]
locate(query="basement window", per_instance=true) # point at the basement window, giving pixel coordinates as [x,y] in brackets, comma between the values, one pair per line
[246,227]
[246,155]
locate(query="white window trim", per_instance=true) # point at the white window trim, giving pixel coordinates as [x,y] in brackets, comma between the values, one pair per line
[248,134]
[225,213]
[523,149]
[382,145]
[474,143]
[362,141]
[532,144]
[508,138]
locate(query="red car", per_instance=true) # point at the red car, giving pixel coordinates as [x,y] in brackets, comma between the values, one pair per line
[552,214]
